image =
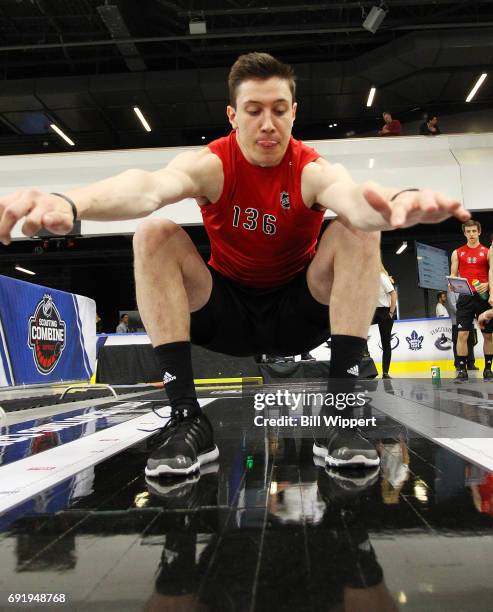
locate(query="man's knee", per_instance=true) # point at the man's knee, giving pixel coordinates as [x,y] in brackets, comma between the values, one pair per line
[366,243]
[152,234]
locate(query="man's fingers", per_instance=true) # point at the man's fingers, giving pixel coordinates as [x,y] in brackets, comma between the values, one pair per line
[57,222]
[453,207]
[11,214]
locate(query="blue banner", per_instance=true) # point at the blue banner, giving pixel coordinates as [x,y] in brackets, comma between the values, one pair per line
[46,335]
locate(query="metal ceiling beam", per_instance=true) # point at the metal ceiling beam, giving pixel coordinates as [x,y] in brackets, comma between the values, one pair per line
[258,33]
[299,8]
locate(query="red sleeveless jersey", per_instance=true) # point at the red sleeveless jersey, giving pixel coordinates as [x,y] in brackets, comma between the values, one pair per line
[261,232]
[473,263]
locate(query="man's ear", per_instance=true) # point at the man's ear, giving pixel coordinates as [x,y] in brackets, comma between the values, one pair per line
[295,107]
[231,112]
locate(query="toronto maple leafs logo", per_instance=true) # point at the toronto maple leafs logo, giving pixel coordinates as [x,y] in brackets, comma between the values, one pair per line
[414,341]
[285,203]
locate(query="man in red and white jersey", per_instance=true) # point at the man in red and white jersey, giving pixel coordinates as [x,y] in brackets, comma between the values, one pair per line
[270,279]
[473,262]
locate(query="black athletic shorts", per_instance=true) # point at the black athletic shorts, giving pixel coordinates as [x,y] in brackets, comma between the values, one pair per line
[469,307]
[241,321]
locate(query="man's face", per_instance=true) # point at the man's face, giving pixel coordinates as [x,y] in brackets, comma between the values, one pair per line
[125,319]
[387,117]
[472,234]
[443,298]
[263,120]
[433,121]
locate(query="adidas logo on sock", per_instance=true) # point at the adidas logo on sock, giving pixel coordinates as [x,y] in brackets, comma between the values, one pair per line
[168,378]
[354,370]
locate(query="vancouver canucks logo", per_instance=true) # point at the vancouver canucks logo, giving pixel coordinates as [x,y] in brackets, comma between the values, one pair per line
[46,335]
[414,341]
[285,203]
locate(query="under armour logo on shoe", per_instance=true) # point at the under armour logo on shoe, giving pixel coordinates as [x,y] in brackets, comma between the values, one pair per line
[354,370]
[168,378]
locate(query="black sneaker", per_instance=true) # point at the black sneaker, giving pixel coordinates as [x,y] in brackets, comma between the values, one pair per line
[188,444]
[487,374]
[462,375]
[346,450]
[386,375]
[307,356]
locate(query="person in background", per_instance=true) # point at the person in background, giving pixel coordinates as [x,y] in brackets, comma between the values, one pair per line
[384,317]
[122,327]
[99,324]
[472,262]
[471,340]
[391,127]
[441,310]
[430,127]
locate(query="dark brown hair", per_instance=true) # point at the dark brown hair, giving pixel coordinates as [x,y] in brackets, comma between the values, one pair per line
[258,66]
[471,223]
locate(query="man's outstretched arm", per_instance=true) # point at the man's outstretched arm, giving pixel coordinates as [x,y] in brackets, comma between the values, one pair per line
[129,195]
[372,207]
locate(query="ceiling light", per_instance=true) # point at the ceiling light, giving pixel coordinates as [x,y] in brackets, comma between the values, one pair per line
[479,82]
[401,249]
[371,163]
[374,19]
[143,120]
[25,271]
[56,129]
[371,95]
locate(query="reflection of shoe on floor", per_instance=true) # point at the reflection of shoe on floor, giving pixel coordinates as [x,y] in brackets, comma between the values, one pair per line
[188,444]
[197,490]
[340,487]
[487,374]
[346,449]
[462,375]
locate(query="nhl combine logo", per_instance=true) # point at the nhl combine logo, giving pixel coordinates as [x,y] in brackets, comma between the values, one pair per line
[46,335]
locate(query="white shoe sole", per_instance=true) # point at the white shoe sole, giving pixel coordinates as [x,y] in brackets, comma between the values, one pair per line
[358,461]
[355,462]
[166,470]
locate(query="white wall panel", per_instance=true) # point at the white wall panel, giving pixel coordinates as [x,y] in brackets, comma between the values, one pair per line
[460,165]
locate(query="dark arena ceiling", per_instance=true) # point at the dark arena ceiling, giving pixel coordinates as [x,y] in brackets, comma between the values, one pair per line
[84,65]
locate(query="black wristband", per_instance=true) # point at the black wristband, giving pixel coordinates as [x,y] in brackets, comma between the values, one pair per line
[403,191]
[70,201]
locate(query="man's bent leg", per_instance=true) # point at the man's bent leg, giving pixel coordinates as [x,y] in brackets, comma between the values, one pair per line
[345,274]
[171,281]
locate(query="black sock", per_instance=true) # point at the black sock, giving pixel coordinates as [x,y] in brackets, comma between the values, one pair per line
[175,363]
[345,356]
[487,362]
[462,362]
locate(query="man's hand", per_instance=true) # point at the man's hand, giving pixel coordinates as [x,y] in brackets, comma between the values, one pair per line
[38,209]
[485,318]
[412,207]
[482,288]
